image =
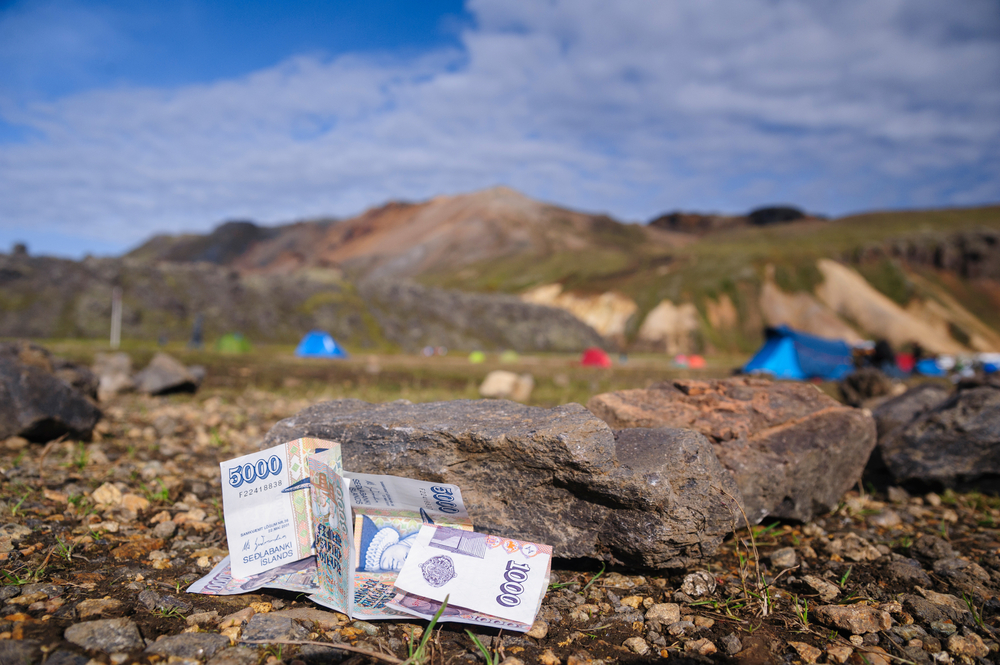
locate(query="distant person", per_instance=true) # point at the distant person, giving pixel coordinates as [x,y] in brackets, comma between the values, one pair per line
[197,335]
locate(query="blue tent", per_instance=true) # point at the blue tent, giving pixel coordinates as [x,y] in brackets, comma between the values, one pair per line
[319,344]
[789,354]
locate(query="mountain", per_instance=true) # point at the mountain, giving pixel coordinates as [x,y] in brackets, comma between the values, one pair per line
[451,270]
[407,240]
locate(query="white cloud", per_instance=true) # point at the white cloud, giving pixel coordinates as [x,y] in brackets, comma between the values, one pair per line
[632,107]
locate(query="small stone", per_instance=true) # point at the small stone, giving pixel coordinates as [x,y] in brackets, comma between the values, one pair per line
[365,627]
[636,645]
[898,494]
[970,645]
[783,558]
[731,644]
[16,652]
[853,547]
[808,652]
[944,600]
[827,591]
[857,619]
[263,627]
[196,646]
[910,632]
[107,495]
[203,618]
[703,623]
[237,618]
[134,502]
[704,646]
[871,656]
[549,658]
[96,607]
[235,656]
[313,617]
[838,653]
[885,519]
[164,529]
[857,640]
[664,613]
[944,628]
[511,660]
[699,583]
[136,549]
[539,629]
[632,601]
[933,499]
[681,628]
[107,635]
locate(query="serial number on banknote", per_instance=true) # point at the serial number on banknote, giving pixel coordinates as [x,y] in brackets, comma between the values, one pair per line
[259,488]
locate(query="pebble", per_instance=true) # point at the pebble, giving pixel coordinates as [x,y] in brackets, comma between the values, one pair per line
[679,628]
[704,646]
[857,619]
[164,529]
[699,583]
[96,607]
[539,629]
[944,628]
[235,656]
[637,645]
[20,651]
[549,658]
[311,616]
[827,591]
[664,613]
[64,658]
[202,618]
[197,646]
[783,558]
[273,627]
[106,495]
[366,628]
[107,635]
[808,652]
[731,644]
[838,653]
[970,645]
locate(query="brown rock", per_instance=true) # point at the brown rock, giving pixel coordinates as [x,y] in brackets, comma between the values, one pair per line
[777,438]
[137,548]
[858,619]
[808,652]
[96,607]
[967,645]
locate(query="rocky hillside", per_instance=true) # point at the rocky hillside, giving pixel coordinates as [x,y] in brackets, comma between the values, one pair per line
[45,297]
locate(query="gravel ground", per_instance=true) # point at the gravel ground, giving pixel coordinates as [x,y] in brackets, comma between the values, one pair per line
[99,541]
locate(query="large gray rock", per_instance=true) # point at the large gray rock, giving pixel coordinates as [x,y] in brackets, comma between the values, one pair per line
[792,450]
[955,444]
[895,413]
[35,403]
[557,476]
[165,374]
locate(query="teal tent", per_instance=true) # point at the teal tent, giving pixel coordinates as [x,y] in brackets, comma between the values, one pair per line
[790,354]
[319,344]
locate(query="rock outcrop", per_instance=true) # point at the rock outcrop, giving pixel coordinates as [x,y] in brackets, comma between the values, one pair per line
[561,476]
[792,450]
[38,400]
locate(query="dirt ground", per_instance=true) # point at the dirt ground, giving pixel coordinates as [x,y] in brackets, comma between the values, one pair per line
[68,546]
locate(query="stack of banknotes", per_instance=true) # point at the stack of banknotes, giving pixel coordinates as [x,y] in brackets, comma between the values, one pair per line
[369,546]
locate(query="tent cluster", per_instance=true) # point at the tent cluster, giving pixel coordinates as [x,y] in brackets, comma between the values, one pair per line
[790,354]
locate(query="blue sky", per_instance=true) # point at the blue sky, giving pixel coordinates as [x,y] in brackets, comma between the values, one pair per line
[123,119]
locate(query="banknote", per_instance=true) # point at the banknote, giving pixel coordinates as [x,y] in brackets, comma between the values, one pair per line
[425,608]
[301,576]
[333,530]
[388,514]
[501,577]
[267,506]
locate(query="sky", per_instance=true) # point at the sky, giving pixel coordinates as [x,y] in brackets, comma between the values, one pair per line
[123,119]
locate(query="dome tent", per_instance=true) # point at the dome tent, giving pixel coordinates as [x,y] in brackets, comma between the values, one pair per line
[319,344]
